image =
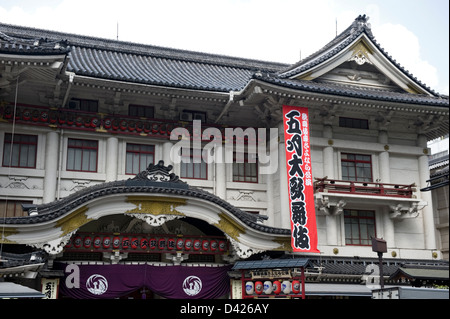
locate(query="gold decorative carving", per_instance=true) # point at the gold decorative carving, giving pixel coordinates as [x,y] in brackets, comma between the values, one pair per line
[155,205]
[360,53]
[285,244]
[229,226]
[6,233]
[73,221]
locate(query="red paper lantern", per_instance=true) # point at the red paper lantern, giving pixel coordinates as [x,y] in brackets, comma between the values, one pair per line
[87,242]
[153,243]
[97,242]
[171,244]
[205,245]
[259,287]
[276,287]
[162,243]
[134,243]
[214,245]
[222,245]
[144,243]
[77,242]
[188,244]
[125,243]
[295,286]
[106,242]
[116,242]
[180,244]
[197,245]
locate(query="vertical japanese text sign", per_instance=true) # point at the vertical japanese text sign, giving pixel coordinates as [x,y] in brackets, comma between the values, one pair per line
[300,182]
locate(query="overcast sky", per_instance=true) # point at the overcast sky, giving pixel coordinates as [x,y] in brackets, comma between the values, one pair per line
[414,32]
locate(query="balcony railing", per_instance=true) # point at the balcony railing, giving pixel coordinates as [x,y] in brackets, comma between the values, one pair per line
[363,188]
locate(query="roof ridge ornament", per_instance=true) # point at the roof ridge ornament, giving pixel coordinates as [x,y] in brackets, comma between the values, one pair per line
[158,173]
[361,24]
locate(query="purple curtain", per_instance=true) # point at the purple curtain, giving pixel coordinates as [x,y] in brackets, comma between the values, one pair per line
[174,282]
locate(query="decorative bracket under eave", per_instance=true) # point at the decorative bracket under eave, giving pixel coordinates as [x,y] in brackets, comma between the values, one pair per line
[402,211]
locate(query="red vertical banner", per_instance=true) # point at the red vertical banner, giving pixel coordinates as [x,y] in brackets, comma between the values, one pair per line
[300,181]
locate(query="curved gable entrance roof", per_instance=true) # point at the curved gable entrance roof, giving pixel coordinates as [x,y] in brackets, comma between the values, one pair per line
[155,195]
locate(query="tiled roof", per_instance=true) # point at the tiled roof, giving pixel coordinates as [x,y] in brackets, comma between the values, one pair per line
[353,91]
[147,69]
[146,64]
[153,65]
[13,45]
[358,27]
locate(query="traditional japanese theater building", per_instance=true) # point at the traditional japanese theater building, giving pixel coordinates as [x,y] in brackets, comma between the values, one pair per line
[95,203]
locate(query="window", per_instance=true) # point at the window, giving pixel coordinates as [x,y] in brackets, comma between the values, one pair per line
[187,115]
[141,111]
[82,155]
[353,123]
[356,167]
[245,172]
[139,157]
[359,227]
[83,105]
[190,169]
[13,208]
[23,150]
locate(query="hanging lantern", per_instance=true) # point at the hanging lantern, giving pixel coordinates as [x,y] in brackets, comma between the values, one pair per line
[144,243]
[107,124]
[188,244]
[134,243]
[106,242]
[296,286]
[26,115]
[116,242]
[125,243]
[180,244]
[171,243]
[77,242]
[222,245]
[87,242]
[123,125]
[152,243]
[205,245]
[97,242]
[214,245]
[259,287]
[197,245]
[286,287]
[44,116]
[268,287]
[249,287]
[276,287]
[162,243]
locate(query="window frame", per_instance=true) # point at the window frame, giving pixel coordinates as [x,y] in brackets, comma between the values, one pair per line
[84,105]
[7,149]
[246,178]
[355,167]
[83,148]
[139,152]
[349,122]
[191,166]
[13,207]
[359,218]
[137,109]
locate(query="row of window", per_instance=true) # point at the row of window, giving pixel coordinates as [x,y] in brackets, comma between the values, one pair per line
[20,151]
[188,115]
